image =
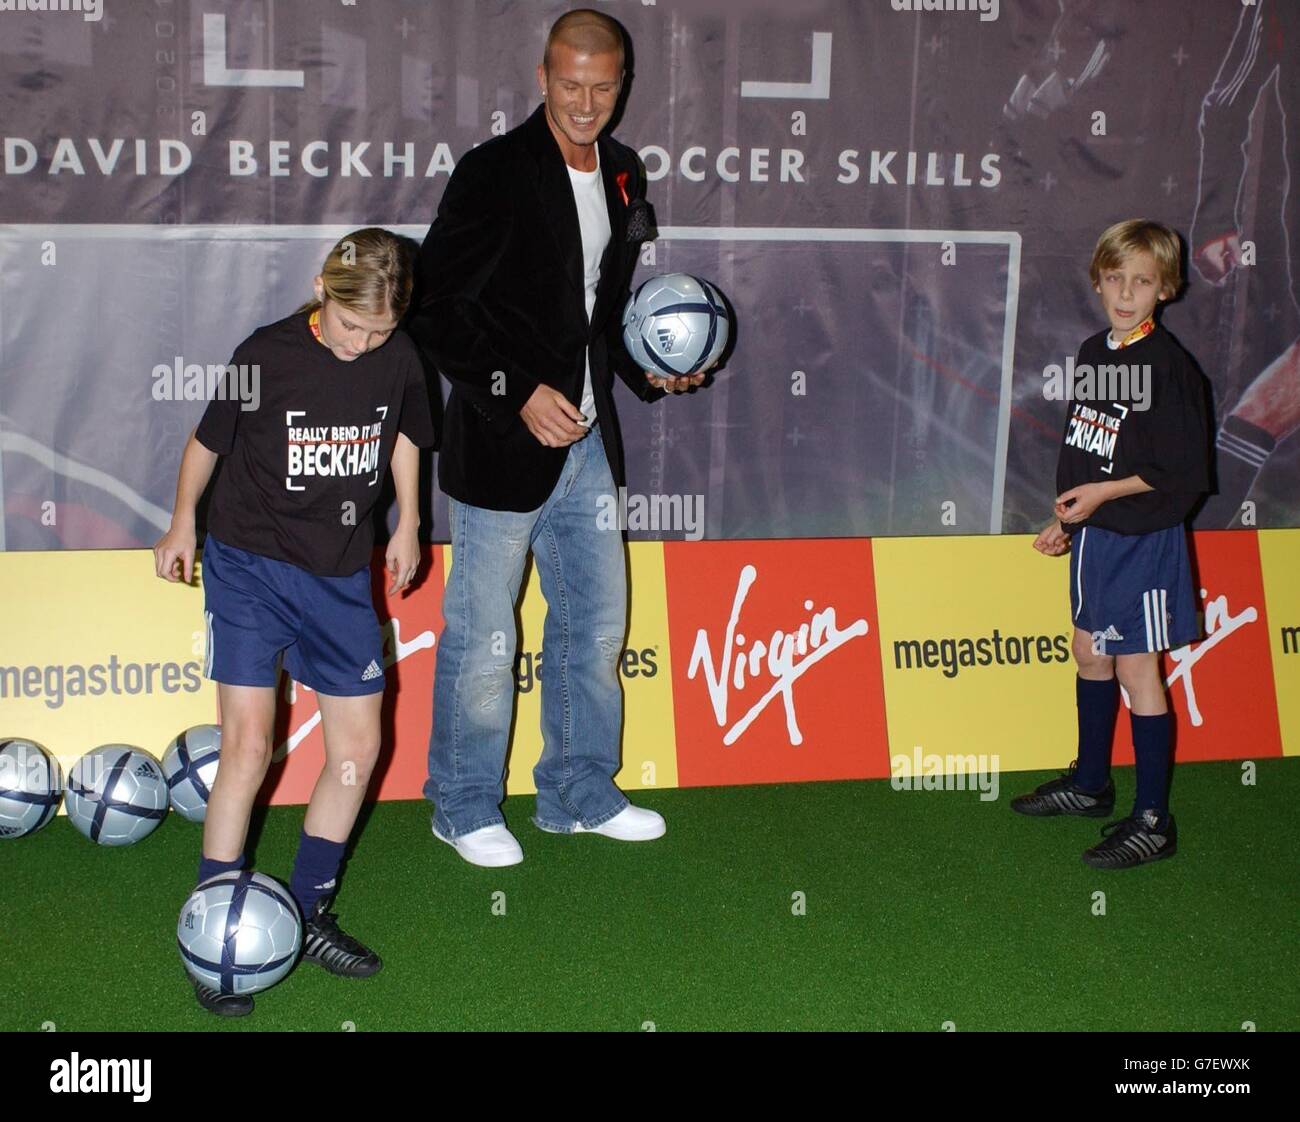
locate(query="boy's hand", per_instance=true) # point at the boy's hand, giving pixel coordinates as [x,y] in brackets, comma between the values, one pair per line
[176,547]
[674,385]
[402,558]
[1052,541]
[1080,502]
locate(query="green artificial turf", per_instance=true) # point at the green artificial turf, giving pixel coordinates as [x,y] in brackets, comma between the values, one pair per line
[921,908]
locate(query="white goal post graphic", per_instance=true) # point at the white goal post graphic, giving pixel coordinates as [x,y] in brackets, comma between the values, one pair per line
[829,234]
[20,249]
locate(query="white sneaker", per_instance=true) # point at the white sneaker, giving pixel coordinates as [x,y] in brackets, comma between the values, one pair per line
[492,847]
[631,824]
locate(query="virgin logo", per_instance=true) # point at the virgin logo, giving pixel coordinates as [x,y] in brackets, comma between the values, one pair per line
[781,660]
[1219,624]
[394,651]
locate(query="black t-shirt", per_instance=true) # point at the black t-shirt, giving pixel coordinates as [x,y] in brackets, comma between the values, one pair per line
[1108,435]
[321,437]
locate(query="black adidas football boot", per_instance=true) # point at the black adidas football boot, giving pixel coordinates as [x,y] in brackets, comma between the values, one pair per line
[326,945]
[1063,796]
[222,1004]
[1134,841]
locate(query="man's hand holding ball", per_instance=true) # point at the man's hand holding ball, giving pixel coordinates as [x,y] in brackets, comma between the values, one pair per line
[675,321]
[675,385]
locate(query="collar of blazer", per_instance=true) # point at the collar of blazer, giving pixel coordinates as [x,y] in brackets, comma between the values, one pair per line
[556,192]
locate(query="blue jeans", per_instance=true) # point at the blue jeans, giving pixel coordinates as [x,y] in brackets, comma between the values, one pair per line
[577,544]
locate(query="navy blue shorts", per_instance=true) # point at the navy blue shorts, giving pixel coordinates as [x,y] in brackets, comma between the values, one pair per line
[259,610]
[1133,592]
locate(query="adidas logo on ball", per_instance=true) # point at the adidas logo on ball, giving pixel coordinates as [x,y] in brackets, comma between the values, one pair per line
[676,325]
[116,795]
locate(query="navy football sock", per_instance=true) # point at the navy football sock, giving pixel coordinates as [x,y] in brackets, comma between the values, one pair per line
[1152,741]
[1098,703]
[208,867]
[315,870]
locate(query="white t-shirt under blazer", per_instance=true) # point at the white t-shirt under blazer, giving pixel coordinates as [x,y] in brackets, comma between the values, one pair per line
[593,220]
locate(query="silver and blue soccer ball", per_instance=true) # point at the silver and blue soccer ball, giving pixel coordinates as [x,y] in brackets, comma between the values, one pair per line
[239,932]
[116,794]
[676,325]
[31,785]
[189,764]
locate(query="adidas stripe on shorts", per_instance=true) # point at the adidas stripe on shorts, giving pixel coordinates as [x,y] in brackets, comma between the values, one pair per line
[260,611]
[1133,592]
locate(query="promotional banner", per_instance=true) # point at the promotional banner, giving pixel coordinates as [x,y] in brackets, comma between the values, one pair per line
[644,667]
[95,649]
[411,623]
[776,662]
[899,199]
[981,664]
[1221,688]
[975,648]
[745,662]
[1279,556]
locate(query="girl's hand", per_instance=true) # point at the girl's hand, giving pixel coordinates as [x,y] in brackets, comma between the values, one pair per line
[402,558]
[176,547]
[1052,541]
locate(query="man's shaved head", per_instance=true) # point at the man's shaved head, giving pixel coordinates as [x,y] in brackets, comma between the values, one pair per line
[587,32]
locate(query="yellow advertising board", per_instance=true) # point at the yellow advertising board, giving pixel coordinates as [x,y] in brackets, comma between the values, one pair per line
[649,744]
[975,650]
[1279,557]
[95,649]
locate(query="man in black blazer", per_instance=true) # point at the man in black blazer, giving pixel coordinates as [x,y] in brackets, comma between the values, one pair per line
[524,274]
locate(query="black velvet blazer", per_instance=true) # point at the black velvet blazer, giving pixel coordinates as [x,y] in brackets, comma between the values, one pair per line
[502,308]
